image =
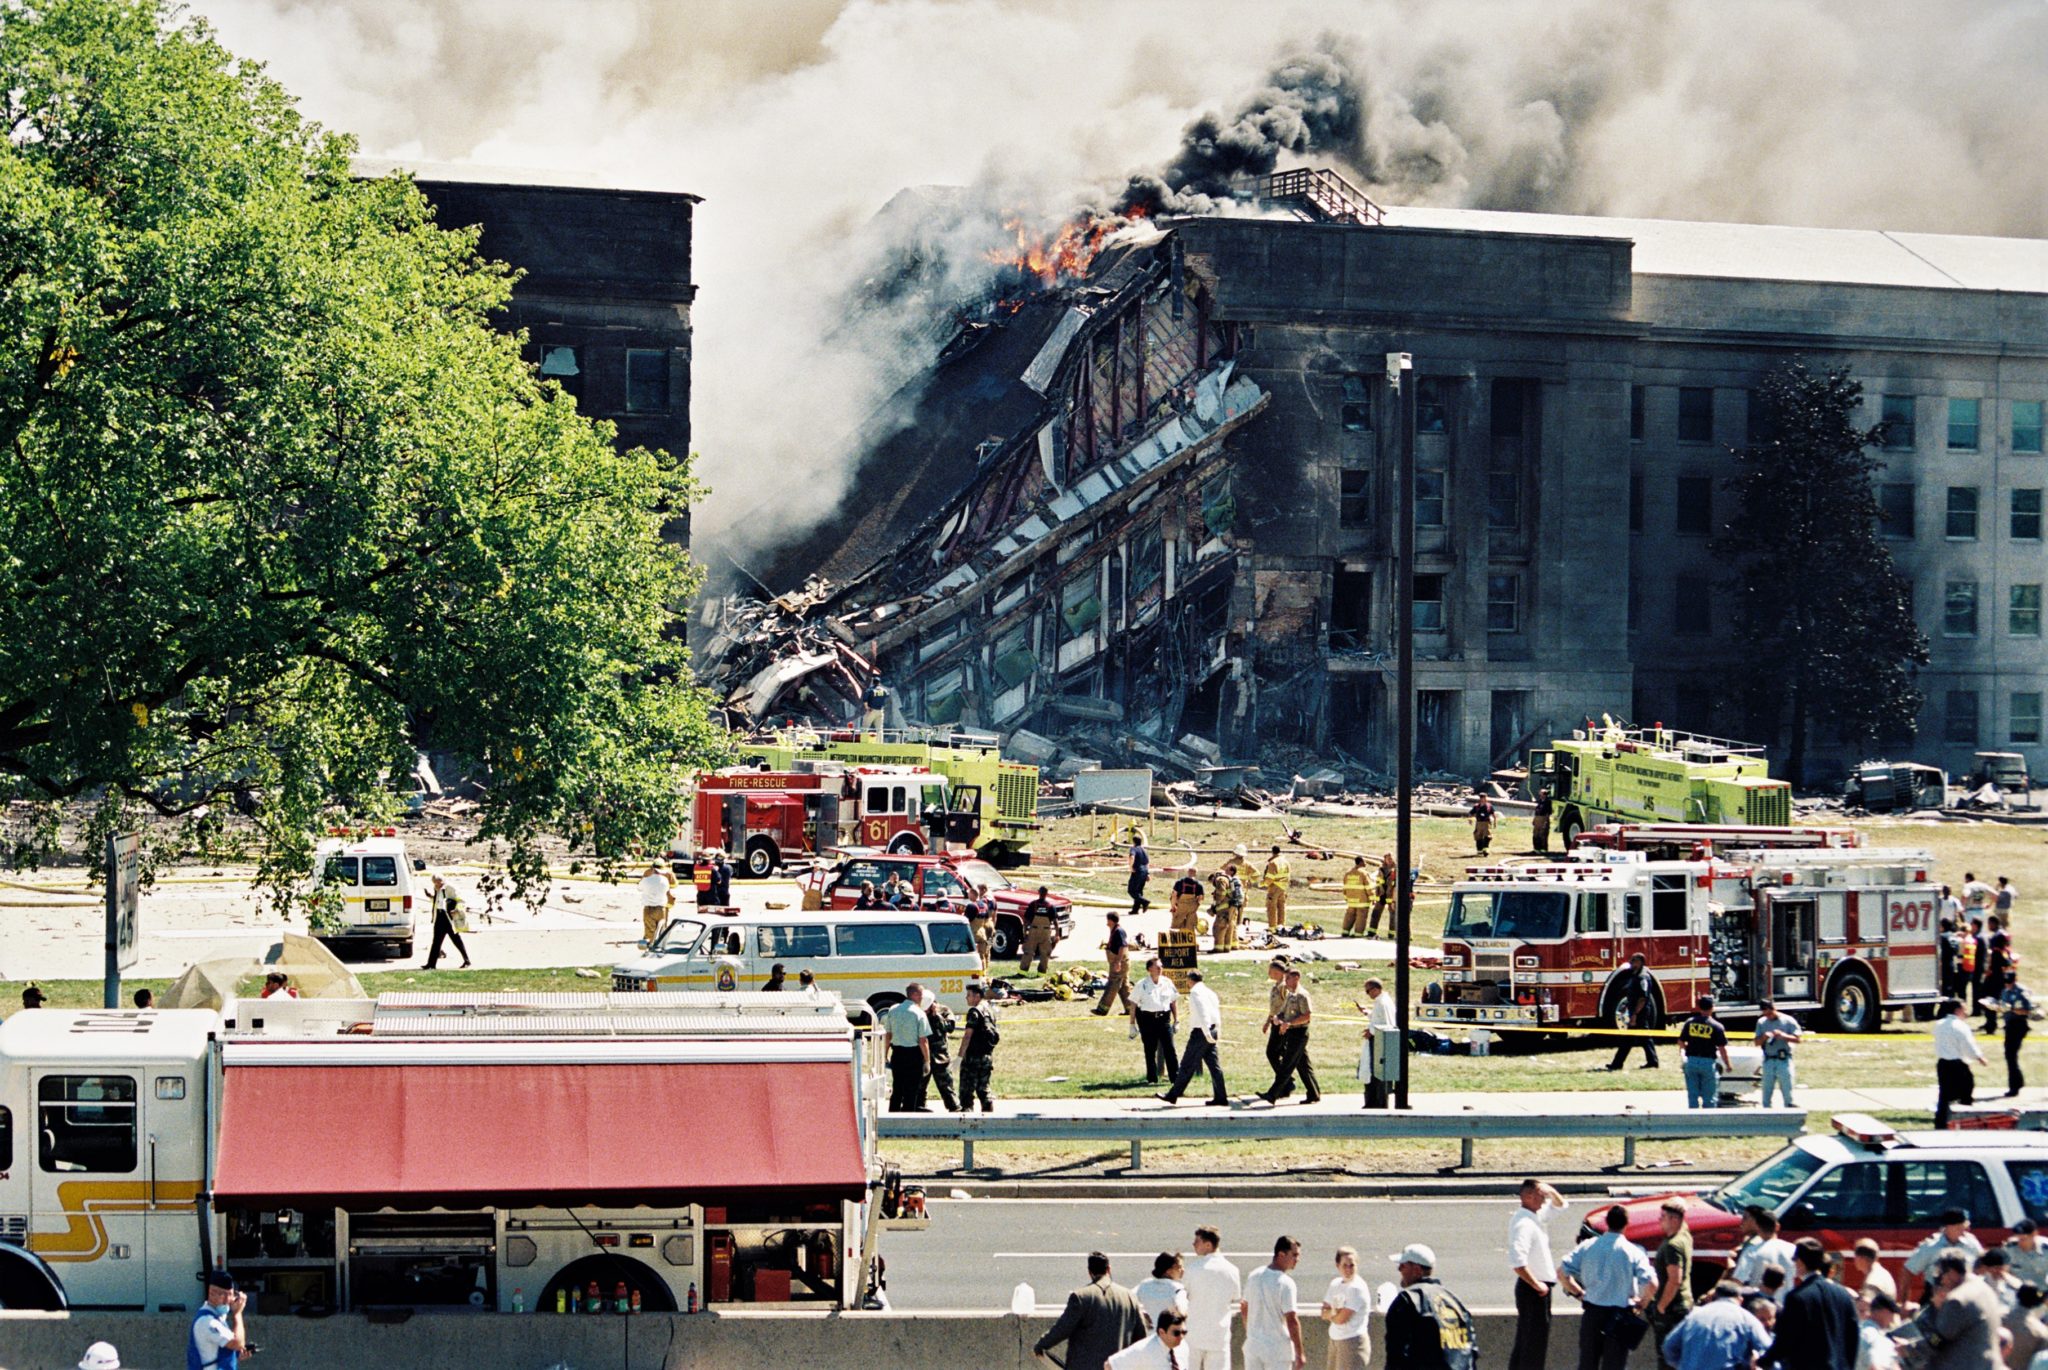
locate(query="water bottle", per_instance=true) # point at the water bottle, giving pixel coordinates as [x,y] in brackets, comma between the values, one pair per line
[634,1306]
[1023,1300]
[519,1301]
[593,1300]
[561,1300]
[693,1297]
[619,1302]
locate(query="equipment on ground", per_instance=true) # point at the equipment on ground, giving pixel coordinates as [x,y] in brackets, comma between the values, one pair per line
[1608,772]
[1896,786]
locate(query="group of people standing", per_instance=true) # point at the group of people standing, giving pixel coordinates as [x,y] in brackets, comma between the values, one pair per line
[920,1056]
[1227,892]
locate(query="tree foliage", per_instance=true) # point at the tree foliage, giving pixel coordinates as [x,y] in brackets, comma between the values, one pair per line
[277,505]
[1824,621]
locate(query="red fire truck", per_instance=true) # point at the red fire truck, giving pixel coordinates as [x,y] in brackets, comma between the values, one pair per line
[762,817]
[1802,916]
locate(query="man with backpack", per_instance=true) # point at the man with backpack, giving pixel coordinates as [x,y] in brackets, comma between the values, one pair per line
[977,1051]
[1428,1328]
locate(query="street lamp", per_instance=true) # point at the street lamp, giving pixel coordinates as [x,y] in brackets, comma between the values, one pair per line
[1404,709]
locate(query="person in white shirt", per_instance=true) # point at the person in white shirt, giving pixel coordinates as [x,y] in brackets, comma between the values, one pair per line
[1205,1030]
[1272,1329]
[1867,1269]
[1763,1249]
[1379,1061]
[1877,1314]
[1955,1047]
[1535,1272]
[1215,1296]
[1158,1004]
[1164,1290]
[1347,1304]
[1163,1350]
[655,887]
[1953,1235]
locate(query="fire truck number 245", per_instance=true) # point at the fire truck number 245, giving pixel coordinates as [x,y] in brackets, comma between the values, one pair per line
[1912,915]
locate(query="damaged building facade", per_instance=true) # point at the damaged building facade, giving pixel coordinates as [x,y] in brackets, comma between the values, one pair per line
[1156,501]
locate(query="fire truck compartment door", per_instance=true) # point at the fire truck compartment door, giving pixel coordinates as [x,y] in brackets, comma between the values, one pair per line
[825,821]
[735,815]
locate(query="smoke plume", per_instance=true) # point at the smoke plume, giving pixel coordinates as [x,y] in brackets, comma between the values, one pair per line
[800,120]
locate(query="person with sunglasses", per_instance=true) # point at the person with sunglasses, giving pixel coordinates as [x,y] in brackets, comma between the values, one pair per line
[1160,1351]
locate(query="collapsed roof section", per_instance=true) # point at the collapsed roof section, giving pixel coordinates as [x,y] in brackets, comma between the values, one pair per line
[1052,533]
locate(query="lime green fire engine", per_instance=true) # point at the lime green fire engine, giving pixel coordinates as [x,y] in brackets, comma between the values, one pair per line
[1608,773]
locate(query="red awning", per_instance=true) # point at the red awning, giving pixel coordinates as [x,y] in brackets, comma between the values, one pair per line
[538,1133]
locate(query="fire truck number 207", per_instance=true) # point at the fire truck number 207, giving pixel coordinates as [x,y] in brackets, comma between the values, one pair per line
[1912,915]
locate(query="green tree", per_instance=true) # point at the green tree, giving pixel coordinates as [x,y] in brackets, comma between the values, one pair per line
[277,505]
[1824,621]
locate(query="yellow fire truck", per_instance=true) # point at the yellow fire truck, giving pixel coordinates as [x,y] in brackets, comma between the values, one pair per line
[1610,773]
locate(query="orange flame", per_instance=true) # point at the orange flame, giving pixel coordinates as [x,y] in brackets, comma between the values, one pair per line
[1061,255]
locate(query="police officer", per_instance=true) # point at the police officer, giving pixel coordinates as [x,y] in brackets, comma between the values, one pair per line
[1292,1022]
[1274,877]
[977,1051]
[1705,1042]
[218,1336]
[2019,1014]
[1357,894]
[1777,1033]
[1187,901]
[1635,1006]
[1276,995]
[1427,1327]
[1038,932]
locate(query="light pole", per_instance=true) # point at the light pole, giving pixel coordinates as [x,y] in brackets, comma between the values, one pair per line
[1404,708]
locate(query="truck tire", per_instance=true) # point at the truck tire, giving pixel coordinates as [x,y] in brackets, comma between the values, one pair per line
[1004,944]
[608,1270]
[760,859]
[1610,1005]
[906,844]
[1570,826]
[405,949]
[881,1003]
[1852,1004]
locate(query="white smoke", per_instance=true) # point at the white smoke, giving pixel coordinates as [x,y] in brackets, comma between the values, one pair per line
[798,119]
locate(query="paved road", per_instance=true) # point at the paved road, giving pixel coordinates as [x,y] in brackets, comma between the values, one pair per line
[977,1250]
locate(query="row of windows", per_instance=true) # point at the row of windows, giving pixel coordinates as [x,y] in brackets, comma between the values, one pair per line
[1503,603]
[1432,503]
[1959,610]
[1960,725]
[1896,415]
[1693,512]
[647,375]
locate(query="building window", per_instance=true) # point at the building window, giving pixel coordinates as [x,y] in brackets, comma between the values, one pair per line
[1959,609]
[2023,611]
[1760,427]
[1962,425]
[1695,413]
[1895,510]
[560,363]
[1635,413]
[2026,515]
[2026,717]
[1896,419]
[1429,604]
[1694,614]
[1635,501]
[1351,606]
[1354,498]
[1080,606]
[1012,660]
[1356,411]
[646,380]
[1429,499]
[1504,604]
[1959,718]
[1962,513]
[2026,425]
[1508,401]
[1432,412]
[1696,505]
[1503,499]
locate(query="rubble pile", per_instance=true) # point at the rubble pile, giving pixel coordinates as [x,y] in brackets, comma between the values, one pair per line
[786,659]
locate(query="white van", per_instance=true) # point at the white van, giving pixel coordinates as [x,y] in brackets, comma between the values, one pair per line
[375,878]
[865,957]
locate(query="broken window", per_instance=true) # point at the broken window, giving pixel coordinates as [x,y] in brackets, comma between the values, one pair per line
[1895,510]
[1219,506]
[1959,718]
[945,696]
[1959,609]
[1012,661]
[1429,604]
[646,380]
[1355,413]
[1510,724]
[560,363]
[1148,571]
[1080,605]
[1429,499]
[1432,410]
[1436,728]
[1695,505]
[1169,352]
[1351,606]
[1695,413]
[1504,500]
[1504,604]
[1895,417]
[1354,498]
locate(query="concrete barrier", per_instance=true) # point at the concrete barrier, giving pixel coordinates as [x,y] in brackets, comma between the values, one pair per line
[744,1340]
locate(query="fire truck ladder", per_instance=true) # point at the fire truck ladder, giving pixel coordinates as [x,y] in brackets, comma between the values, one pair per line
[1319,196]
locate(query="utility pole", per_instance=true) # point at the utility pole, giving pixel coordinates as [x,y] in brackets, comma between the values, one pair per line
[1403,388]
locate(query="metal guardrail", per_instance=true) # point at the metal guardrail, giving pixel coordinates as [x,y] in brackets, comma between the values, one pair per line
[1283,1124]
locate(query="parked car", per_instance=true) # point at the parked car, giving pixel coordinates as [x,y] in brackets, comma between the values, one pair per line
[935,879]
[1864,1180]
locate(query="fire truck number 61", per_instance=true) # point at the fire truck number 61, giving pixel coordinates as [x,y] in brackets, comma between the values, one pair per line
[1912,915]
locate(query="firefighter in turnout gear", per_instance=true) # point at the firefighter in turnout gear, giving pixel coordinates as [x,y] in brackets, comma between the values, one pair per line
[1383,892]
[1187,902]
[1358,882]
[1274,878]
[1223,890]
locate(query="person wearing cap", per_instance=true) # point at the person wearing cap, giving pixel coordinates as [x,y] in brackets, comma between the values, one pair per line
[1274,877]
[1276,995]
[1141,873]
[2020,1011]
[1864,1273]
[1292,1021]
[1117,952]
[218,1337]
[1357,896]
[1992,1268]
[1427,1326]
[1955,1047]
[1384,887]
[1705,1043]
[657,892]
[977,1050]
[2028,1327]
[720,888]
[1186,902]
[1954,1234]
[2025,1254]
[1635,1005]
[1611,1277]
[1719,1334]
[1878,1314]
[1777,1034]
[1272,1329]
[32,995]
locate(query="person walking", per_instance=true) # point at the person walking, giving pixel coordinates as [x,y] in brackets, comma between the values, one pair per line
[1272,1329]
[1955,1047]
[1186,903]
[1347,1308]
[1276,995]
[1612,1279]
[1427,1326]
[1379,1063]
[2020,1012]
[1705,1042]
[1275,877]
[657,892]
[446,904]
[1720,1334]
[1482,822]
[1039,938]
[1141,872]
[1673,1266]
[1215,1293]
[1997,961]
[1539,823]
[1383,893]
[1963,1318]
[1160,1351]
[939,1055]
[1163,1291]
[1817,1328]
[1777,1033]
[1635,1005]
[978,1051]
[1535,1272]
[1101,1318]
[1158,1008]
[1205,1032]
[219,1337]
[909,1032]
[1296,1012]
[2002,899]
[1357,896]
[1117,952]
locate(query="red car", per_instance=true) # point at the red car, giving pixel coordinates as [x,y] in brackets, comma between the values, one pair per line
[1866,1180]
[934,879]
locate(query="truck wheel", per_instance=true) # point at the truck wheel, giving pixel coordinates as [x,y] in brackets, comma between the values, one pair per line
[1003,942]
[761,859]
[882,1003]
[405,950]
[608,1270]
[905,844]
[1571,827]
[1852,1002]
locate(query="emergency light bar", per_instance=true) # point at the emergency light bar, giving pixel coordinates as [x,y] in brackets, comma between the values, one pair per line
[1864,1130]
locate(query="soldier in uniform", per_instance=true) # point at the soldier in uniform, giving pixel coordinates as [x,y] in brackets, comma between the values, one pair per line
[1276,996]
[1187,901]
[1291,1022]
[981,917]
[1274,878]
[977,1051]
[1038,932]
[1357,894]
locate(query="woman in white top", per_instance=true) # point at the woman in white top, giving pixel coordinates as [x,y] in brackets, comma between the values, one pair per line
[1346,1306]
[1163,1290]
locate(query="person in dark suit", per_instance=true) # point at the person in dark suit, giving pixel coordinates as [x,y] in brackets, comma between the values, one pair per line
[1817,1328]
[1101,1318]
